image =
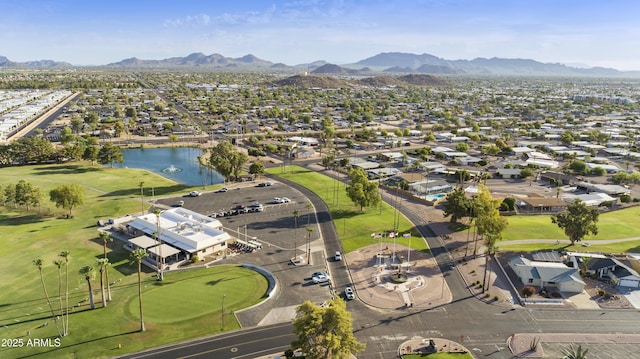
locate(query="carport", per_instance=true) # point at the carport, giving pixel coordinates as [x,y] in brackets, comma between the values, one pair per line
[166,250]
[143,242]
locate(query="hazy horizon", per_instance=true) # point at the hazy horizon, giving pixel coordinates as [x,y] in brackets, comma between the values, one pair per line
[592,34]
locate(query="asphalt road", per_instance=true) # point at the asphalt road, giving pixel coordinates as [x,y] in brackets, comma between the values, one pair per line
[238,344]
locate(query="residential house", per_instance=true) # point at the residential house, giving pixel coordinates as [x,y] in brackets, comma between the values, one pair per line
[547,275]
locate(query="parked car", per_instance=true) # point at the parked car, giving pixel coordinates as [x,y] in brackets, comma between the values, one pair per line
[285,200]
[265,184]
[320,277]
[194,194]
[239,209]
[180,204]
[256,207]
[338,256]
[223,189]
[348,293]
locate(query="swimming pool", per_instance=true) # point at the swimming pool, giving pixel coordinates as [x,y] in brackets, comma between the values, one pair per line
[435,197]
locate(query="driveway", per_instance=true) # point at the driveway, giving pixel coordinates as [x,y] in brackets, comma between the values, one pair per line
[632,295]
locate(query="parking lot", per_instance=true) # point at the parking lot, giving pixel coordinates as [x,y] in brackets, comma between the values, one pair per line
[275,226]
[275,229]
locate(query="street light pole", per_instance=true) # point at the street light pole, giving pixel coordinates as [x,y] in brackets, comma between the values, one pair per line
[224,295]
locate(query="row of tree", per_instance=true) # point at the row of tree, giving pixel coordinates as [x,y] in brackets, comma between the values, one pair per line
[23,193]
[61,314]
[39,150]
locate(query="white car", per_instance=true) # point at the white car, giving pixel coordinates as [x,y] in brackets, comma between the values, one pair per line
[285,200]
[338,256]
[194,194]
[278,200]
[320,277]
[348,293]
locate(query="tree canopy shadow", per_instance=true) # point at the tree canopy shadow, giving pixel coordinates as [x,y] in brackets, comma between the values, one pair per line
[64,170]
[157,191]
[345,213]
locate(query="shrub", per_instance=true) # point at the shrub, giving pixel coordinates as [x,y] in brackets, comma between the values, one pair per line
[194,259]
[607,204]
[601,292]
[487,295]
[496,298]
[528,291]
[625,198]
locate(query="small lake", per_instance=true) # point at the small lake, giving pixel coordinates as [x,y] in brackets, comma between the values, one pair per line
[176,163]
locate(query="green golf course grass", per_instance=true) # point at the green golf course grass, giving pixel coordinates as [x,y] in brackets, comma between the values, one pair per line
[45,232]
[193,295]
[354,227]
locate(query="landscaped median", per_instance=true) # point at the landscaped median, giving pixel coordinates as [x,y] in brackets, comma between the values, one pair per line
[355,228]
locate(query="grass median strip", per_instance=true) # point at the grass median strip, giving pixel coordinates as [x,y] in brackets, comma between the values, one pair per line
[355,228]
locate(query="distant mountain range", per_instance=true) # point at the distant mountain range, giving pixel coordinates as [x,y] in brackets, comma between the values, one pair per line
[388,62]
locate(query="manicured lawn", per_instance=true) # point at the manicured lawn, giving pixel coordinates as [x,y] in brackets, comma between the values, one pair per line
[192,296]
[96,333]
[618,247]
[354,226]
[611,225]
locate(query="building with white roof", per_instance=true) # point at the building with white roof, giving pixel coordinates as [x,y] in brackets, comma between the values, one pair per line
[188,232]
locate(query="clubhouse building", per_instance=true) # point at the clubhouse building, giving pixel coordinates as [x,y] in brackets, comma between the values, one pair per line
[183,234]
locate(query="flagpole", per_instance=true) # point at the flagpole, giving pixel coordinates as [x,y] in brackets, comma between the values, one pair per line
[409,251]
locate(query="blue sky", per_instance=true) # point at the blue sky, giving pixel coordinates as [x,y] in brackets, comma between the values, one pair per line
[586,32]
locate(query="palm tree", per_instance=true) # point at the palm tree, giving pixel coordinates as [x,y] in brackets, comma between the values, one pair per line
[103,263]
[141,185]
[296,213]
[59,263]
[574,352]
[88,272]
[160,259]
[66,255]
[309,207]
[106,237]
[136,257]
[38,262]
[309,230]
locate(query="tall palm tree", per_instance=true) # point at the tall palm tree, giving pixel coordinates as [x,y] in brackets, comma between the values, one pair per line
[309,230]
[136,257]
[88,272]
[309,207]
[66,255]
[141,185]
[102,263]
[38,262]
[296,213]
[59,263]
[106,237]
[158,233]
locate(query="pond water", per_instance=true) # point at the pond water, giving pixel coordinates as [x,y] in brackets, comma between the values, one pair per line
[176,163]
